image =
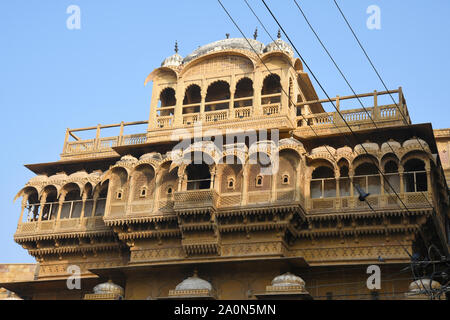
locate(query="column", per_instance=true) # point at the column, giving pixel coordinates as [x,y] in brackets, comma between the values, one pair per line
[245,177]
[62,196]
[231,114]
[178,112]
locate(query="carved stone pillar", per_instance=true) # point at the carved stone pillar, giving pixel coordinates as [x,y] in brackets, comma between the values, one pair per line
[62,197]
[158,177]
[245,177]
[41,206]
[83,204]
[402,182]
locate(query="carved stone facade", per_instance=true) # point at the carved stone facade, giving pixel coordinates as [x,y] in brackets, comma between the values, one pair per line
[242,174]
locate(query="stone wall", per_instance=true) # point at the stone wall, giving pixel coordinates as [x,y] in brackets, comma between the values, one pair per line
[15,273]
[443,145]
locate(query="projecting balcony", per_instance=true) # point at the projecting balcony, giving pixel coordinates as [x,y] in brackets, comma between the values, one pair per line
[102,146]
[392,113]
[74,216]
[412,200]
[195,200]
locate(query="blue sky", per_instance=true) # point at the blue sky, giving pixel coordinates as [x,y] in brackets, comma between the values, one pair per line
[53,78]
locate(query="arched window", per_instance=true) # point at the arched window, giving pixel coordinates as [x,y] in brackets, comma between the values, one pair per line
[271,90]
[285,179]
[368,178]
[198,175]
[244,91]
[101,200]
[32,206]
[344,180]
[89,203]
[217,91]
[259,181]
[72,204]
[167,102]
[415,176]
[192,99]
[50,209]
[392,177]
[230,183]
[323,183]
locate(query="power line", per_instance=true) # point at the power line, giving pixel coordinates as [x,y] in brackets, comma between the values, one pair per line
[337,110]
[379,77]
[290,101]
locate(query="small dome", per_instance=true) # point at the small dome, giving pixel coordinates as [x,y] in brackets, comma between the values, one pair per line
[172,61]
[226,44]
[59,176]
[367,146]
[279,45]
[11,296]
[39,178]
[151,155]
[415,143]
[419,285]
[290,142]
[287,280]
[386,147]
[79,174]
[323,150]
[194,283]
[127,158]
[108,288]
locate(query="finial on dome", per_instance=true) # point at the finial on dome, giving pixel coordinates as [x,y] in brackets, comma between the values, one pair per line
[255,35]
[195,274]
[227,35]
[176,46]
[279,34]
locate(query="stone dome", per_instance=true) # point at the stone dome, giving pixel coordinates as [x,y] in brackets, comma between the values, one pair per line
[415,143]
[58,176]
[288,280]
[12,296]
[174,60]
[194,283]
[151,155]
[127,158]
[108,288]
[369,146]
[279,45]
[421,284]
[323,150]
[386,147]
[226,44]
[79,174]
[38,178]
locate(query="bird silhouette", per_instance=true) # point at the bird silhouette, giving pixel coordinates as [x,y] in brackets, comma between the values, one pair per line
[362,194]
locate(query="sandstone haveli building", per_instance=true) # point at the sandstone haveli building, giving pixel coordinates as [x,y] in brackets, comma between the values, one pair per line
[270,210]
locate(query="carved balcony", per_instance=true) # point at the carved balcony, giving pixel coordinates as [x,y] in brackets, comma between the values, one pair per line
[195,200]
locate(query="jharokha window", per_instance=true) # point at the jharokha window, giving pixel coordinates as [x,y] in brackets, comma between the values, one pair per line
[323,183]
[368,178]
[415,176]
[143,192]
[230,183]
[285,179]
[259,181]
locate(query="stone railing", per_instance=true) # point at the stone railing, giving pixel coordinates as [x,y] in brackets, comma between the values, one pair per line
[390,114]
[195,199]
[84,224]
[100,146]
[410,199]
